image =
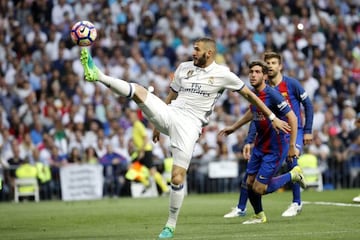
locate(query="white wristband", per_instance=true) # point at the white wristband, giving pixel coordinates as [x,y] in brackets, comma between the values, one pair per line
[272,117]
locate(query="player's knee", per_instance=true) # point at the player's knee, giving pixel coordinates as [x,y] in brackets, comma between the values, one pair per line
[177,179]
[250,180]
[140,93]
[259,189]
[178,176]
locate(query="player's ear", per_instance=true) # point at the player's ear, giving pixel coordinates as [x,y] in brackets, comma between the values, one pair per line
[280,66]
[209,53]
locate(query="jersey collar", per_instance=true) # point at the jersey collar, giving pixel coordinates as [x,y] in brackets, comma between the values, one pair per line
[208,68]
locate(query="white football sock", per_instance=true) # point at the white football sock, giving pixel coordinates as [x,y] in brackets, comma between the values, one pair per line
[177,194]
[119,86]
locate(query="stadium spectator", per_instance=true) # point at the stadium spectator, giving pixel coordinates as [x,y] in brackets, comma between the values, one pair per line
[59,12]
[82,9]
[27,148]
[89,156]
[13,162]
[43,176]
[57,160]
[26,170]
[159,60]
[115,167]
[75,156]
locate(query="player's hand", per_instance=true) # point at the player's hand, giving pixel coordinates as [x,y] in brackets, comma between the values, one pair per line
[141,154]
[293,153]
[308,137]
[281,125]
[247,151]
[226,131]
[156,135]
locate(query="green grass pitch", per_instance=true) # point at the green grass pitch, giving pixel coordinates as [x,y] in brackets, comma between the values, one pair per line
[201,218]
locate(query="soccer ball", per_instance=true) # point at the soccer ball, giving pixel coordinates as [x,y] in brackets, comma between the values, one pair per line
[83,33]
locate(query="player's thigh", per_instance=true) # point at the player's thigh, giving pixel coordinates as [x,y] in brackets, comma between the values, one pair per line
[184,132]
[254,163]
[157,112]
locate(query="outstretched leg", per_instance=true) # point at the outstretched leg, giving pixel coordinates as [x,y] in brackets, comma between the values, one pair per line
[121,87]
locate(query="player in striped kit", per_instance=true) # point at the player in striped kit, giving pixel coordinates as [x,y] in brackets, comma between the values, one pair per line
[271,148]
[296,96]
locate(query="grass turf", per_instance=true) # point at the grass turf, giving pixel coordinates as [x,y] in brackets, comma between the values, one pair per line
[201,218]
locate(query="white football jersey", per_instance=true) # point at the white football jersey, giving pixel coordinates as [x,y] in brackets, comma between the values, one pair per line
[199,88]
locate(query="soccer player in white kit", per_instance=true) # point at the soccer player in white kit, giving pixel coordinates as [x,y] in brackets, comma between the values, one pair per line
[196,87]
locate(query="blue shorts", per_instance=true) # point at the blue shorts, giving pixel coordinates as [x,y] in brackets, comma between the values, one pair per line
[266,165]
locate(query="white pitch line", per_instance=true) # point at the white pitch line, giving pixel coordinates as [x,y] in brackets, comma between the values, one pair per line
[333,204]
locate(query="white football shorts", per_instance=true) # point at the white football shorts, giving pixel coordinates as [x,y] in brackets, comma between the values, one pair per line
[181,126]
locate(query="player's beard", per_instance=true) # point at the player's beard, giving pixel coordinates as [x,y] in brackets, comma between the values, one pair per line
[256,84]
[201,61]
[272,75]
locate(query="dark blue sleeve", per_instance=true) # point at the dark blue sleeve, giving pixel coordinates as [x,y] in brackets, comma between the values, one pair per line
[304,99]
[250,138]
[309,114]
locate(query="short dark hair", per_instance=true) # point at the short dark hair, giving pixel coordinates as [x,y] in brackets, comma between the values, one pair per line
[260,63]
[209,43]
[268,55]
[206,40]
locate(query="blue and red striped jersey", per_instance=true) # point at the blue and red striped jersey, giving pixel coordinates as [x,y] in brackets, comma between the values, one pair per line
[268,140]
[296,96]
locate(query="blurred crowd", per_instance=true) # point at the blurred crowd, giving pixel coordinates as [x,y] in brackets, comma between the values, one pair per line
[49,114]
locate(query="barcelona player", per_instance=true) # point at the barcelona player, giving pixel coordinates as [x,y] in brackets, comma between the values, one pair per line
[271,148]
[296,96]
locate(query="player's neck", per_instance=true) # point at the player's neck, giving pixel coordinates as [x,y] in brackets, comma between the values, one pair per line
[208,63]
[276,80]
[260,87]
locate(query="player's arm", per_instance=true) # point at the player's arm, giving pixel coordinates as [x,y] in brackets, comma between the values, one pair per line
[292,119]
[303,98]
[250,138]
[171,96]
[253,99]
[238,124]
[309,115]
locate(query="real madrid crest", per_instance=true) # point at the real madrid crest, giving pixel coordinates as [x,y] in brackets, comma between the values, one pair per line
[211,80]
[190,73]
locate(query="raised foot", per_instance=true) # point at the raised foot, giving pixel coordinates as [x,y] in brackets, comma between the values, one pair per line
[90,70]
